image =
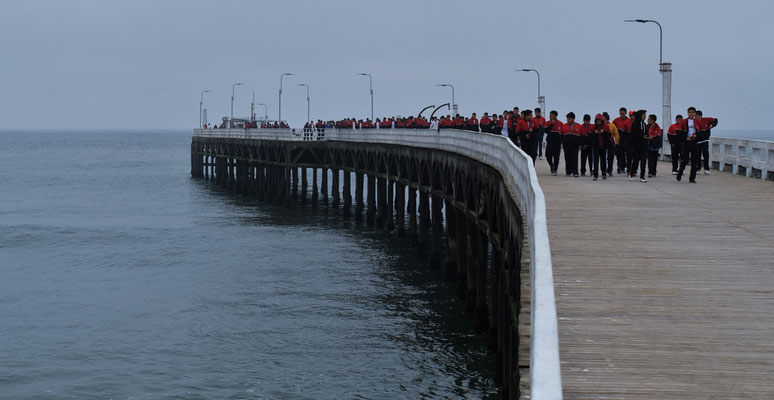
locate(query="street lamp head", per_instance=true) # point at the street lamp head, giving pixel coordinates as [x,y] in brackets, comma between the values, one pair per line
[302,84]
[642,21]
[362,73]
[206,91]
[442,84]
[288,73]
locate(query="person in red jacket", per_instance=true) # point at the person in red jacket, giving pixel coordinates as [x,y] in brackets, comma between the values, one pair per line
[485,122]
[654,144]
[571,140]
[703,144]
[696,129]
[553,142]
[676,140]
[585,146]
[600,138]
[526,132]
[624,125]
[540,123]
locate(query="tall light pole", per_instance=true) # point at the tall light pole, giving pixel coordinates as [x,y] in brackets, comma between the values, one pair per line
[252,108]
[454,105]
[279,121]
[201,102]
[370,87]
[265,111]
[233,87]
[666,77]
[307,101]
[541,99]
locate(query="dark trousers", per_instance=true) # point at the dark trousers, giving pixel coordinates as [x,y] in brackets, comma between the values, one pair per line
[621,152]
[570,144]
[690,152]
[600,161]
[553,150]
[704,155]
[539,136]
[652,161]
[586,154]
[514,138]
[677,148]
[530,147]
[610,158]
[638,161]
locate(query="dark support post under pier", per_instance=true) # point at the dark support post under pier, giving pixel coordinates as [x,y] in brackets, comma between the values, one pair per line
[381,198]
[436,230]
[304,183]
[390,205]
[451,249]
[359,194]
[324,184]
[335,192]
[400,208]
[347,191]
[294,183]
[472,253]
[412,212]
[424,218]
[371,207]
[315,190]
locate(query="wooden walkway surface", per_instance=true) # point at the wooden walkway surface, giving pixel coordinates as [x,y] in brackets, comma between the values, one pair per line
[665,289]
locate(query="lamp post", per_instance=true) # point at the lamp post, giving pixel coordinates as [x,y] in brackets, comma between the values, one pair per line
[265,111]
[201,102]
[541,99]
[233,87]
[252,109]
[371,88]
[307,101]
[665,68]
[454,105]
[279,121]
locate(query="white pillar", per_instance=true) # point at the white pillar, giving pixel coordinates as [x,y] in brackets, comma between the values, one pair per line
[666,105]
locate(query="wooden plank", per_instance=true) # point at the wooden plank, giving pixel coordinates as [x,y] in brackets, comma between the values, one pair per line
[664,289]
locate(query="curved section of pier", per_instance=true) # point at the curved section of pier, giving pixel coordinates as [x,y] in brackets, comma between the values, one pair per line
[472,201]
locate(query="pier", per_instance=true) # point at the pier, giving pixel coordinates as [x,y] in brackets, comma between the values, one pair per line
[657,290]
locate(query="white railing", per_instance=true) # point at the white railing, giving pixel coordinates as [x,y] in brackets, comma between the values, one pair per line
[519,175]
[754,158]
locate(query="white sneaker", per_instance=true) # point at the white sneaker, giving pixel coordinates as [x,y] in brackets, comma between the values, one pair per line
[674,172]
[706,172]
[631,178]
[643,180]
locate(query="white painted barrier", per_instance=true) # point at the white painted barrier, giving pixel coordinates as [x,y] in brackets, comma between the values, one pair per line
[519,175]
[753,158]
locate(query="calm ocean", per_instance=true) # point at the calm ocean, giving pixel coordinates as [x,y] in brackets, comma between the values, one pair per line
[123,278]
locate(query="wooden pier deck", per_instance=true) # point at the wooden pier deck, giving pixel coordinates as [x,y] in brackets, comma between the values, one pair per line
[665,289]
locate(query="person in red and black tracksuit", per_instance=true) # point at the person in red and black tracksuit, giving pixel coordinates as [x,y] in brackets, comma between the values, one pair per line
[526,132]
[600,138]
[696,129]
[472,123]
[654,144]
[553,127]
[676,140]
[703,145]
[585,146]
[624,124]
[485,123]
[571,141]
[540,124]
[638,143]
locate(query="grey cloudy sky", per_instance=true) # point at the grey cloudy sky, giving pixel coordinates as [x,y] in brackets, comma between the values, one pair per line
[142,63]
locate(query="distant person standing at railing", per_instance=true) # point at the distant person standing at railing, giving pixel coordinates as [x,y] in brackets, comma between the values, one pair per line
[493,125]
[654,144]
[526,133]
[676,140]
[503,124]
[585,146]
[553,130]
[484,123]
[616,139]
[540,123]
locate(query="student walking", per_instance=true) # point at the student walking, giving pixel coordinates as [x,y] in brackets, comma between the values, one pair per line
[623,123]
[553,142]
[654,144]
[526,132]
[600,142]
[696,129]
[638,141]
[571,141]
[585,146]
[676,140]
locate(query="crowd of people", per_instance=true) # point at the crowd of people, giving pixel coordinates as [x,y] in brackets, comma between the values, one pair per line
[630,143]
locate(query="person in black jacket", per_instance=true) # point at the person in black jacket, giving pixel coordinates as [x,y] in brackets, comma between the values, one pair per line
[638,139]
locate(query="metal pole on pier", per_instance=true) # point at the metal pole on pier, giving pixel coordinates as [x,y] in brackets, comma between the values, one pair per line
[307,101]
[265,111]
[371,88]
[541,99]
[279,119]
[666,80]
[201,102]
[233,87]
[454,105]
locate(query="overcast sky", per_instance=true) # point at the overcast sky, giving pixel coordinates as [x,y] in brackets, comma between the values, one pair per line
[142,63]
